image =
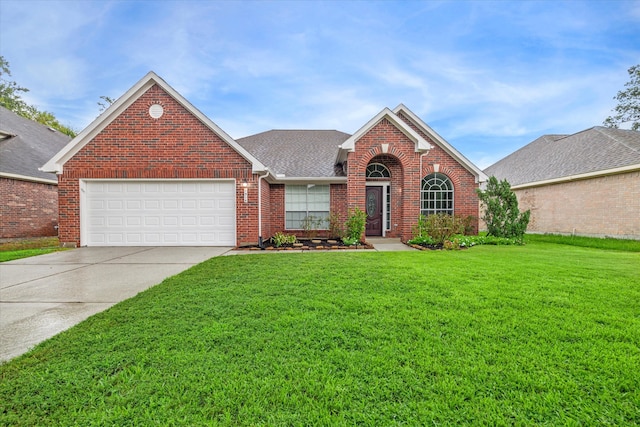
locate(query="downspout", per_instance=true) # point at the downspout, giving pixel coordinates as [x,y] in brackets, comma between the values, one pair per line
[260,242]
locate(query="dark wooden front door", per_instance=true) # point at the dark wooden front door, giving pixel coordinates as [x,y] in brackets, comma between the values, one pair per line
[374,211]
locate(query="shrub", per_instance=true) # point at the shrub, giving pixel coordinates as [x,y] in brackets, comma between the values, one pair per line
[336,228]
[280,239]
[502,216]
[311,224]
[439,227]
[355,225]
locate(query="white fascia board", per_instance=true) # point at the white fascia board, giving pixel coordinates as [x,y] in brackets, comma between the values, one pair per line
[466,163]
[307,180]
[578,177]
[114,110]
[28,178]
[386,113]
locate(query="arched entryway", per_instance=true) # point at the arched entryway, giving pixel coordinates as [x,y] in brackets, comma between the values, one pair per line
[384,177]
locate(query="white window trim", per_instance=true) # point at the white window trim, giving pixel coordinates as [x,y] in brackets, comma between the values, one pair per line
[307,204]
[453,192]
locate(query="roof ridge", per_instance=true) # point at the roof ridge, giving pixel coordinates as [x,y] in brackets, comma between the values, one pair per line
[598,129]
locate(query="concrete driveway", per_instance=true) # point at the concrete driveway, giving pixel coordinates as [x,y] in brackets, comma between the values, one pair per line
[44,295]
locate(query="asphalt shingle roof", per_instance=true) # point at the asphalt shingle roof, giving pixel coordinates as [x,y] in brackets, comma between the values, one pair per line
[297,153]
[557,156]
[30,146]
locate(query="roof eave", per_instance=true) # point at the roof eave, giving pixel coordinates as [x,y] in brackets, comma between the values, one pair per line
[274,179]
[578,177]
[28,178]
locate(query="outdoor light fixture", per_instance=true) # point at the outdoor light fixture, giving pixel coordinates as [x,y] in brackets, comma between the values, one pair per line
[245,184]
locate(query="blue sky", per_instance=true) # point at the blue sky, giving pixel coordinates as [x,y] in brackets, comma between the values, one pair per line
[488,76]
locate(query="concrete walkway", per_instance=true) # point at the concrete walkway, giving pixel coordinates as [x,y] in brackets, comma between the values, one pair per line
[47,294]
[384,244]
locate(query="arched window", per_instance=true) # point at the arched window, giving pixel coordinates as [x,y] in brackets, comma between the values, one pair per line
[436,195]
[378,170]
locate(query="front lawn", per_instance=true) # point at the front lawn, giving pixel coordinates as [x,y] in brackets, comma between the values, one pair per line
[541,334]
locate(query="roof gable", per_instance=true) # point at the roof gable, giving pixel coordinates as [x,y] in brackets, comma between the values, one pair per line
[56,163]
[349,145]
[594,151]
[403,111]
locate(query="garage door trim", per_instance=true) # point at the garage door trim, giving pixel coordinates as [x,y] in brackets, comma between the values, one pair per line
[84,200]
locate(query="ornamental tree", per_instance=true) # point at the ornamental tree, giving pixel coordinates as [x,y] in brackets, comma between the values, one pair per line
[502,216]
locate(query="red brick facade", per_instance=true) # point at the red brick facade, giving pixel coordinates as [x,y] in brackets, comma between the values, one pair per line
[28,209]
[136,146]
[178,145]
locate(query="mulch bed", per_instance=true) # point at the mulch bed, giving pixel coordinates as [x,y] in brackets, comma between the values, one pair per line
[307,245]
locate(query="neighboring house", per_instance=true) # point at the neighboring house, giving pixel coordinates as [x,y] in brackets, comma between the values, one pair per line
[153,170]
[28,197]
[587,183]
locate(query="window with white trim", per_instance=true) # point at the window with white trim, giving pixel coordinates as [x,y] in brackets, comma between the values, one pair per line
[436,195]
[377,170]
[305,202]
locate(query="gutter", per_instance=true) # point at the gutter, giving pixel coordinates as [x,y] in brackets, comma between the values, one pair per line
[28,178]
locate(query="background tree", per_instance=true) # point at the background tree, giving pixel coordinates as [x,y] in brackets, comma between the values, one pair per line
[628,108]
[11,99]
[502,216]
[105,103]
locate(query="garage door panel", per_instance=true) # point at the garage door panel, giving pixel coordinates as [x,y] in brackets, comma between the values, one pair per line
[139,213]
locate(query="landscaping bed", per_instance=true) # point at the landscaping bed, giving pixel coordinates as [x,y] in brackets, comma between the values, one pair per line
[307,244]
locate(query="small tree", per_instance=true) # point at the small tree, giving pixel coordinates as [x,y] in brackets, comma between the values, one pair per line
[355,226]
[502,216]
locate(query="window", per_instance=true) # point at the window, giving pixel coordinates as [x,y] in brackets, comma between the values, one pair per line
[306,201]
[436,195]
[377,170]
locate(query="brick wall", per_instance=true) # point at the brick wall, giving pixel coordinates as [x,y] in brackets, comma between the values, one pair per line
[136,146]
[404,164]
[28,209]
[603,206]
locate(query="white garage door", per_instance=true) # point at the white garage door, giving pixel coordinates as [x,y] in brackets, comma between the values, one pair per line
[158,213]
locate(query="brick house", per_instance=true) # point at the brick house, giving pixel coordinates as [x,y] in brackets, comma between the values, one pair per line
[28,197]
[587,183]
[153,170]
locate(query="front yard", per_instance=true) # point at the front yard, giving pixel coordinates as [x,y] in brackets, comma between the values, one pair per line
[541,334]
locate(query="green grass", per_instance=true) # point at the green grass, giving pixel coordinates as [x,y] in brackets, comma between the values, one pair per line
[539,334]
[586,242]
[25,248]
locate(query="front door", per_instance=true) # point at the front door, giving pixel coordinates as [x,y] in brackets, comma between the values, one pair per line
[374,211]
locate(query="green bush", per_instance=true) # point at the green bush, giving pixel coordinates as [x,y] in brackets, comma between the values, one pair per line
[502,216]
[438,227]
[280,239]
[355,225]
